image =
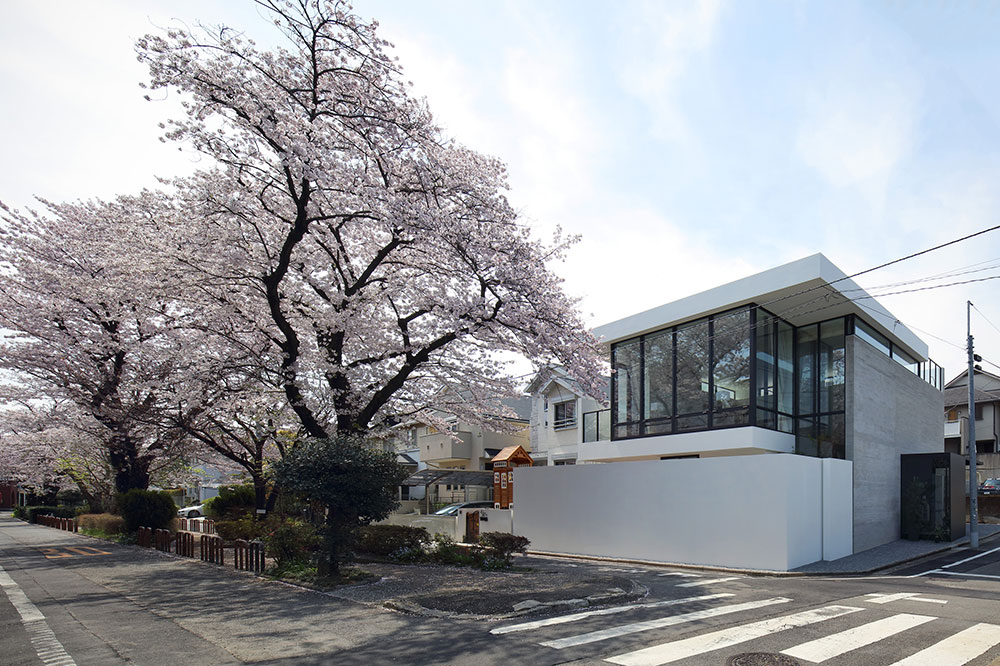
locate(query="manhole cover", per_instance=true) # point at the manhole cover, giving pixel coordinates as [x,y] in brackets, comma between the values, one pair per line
[760,659]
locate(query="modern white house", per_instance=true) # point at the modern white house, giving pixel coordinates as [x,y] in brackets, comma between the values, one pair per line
[558,404]
[756,424]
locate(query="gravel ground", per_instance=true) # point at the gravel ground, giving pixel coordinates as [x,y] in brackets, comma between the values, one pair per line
[465,591]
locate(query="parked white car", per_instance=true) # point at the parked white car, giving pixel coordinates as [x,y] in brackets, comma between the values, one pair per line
[195,511]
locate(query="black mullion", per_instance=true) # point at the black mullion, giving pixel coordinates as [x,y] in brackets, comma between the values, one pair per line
[711,370]
[642,385]
[753,366]
[673,380]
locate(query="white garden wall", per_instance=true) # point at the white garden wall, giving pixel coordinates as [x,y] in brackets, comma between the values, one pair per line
[775,512]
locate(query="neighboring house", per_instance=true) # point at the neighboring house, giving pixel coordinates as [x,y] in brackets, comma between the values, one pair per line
[796,360]
[463,446]
[8,494]
[987,414]
[561,412]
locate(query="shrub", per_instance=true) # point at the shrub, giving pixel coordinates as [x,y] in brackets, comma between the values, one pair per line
[290,541]
[146,508]
[108,523]
[500,548]
[444,550]
[69,497]
[31,513]
[232,502]
[386,540]
[247,528]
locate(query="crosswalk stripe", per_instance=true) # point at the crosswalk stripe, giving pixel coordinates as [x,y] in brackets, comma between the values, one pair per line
[837,644]
[716,640]
[711,581]
[635,627]
[678,573]
[562,619]
[957,649]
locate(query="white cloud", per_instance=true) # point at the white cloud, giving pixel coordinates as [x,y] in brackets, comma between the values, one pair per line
[659,40]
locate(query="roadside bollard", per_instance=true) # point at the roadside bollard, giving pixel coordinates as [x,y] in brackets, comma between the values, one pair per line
[248,555]
[211,549]
[162,540]
[185,544]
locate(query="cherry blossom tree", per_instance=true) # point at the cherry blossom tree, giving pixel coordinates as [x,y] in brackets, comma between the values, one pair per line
[382,261]
[89,326]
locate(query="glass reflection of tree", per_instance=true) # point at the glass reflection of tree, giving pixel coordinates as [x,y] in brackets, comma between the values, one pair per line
[732,361]
[692,368]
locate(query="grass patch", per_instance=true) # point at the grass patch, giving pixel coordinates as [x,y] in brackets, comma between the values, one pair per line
[306,575]
[117,537]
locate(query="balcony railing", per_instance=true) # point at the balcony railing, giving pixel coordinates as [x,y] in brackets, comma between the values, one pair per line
[597,426]
[565,423]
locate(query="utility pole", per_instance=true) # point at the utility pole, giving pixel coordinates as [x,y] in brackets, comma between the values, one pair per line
[973,477]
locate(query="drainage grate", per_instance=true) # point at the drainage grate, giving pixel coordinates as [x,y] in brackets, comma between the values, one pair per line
[760,659]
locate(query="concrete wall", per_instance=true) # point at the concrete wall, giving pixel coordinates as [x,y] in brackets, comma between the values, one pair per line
[490,520]
[890,411]
[760,512]
[448,525]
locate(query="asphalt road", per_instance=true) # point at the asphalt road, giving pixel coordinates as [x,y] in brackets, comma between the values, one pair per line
[68,599]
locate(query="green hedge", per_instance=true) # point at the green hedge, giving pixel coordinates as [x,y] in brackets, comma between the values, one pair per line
[388,540]
[146,508]
[231,502]
[31,513]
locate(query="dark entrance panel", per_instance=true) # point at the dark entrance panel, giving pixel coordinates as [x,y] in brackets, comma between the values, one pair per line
[932,497]
[472,527]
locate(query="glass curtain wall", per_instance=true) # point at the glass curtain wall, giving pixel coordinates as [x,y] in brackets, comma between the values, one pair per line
[775,373]
[690,377]
[821,356]
[742,367]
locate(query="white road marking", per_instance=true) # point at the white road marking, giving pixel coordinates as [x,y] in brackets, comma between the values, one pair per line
[969,559]
[47,646]
[837,644]
[959,573]
[635,627]
[711,581]
[880,598]
[562,619]
[716,640]
[957,649]
[678,573]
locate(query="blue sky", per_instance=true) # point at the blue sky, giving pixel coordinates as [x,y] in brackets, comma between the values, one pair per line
[687,143]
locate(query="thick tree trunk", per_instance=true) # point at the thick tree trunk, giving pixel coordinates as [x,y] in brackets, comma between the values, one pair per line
[131,468]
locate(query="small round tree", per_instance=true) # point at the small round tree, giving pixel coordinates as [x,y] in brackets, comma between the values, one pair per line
[354,481]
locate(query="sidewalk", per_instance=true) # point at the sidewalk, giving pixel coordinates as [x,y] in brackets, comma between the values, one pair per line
[892,554]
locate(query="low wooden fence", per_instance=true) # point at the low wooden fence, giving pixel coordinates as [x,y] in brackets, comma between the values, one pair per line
[67,524]
[211,549]
[203,526]
[162,539]
[249,556]
[184,545]
[145,537]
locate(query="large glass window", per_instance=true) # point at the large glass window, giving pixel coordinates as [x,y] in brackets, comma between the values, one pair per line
[627,365]
[786,372]
[692,372]
[659,376]
[731,368]
[821,358]
[832,366]
[806,356]
[745,366]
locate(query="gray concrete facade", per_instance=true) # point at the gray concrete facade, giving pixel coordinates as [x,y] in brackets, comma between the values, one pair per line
[890,411]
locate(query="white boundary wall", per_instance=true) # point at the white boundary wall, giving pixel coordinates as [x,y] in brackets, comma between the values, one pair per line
[776,511]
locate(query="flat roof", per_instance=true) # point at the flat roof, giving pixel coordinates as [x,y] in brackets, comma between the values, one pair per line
[801,292]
